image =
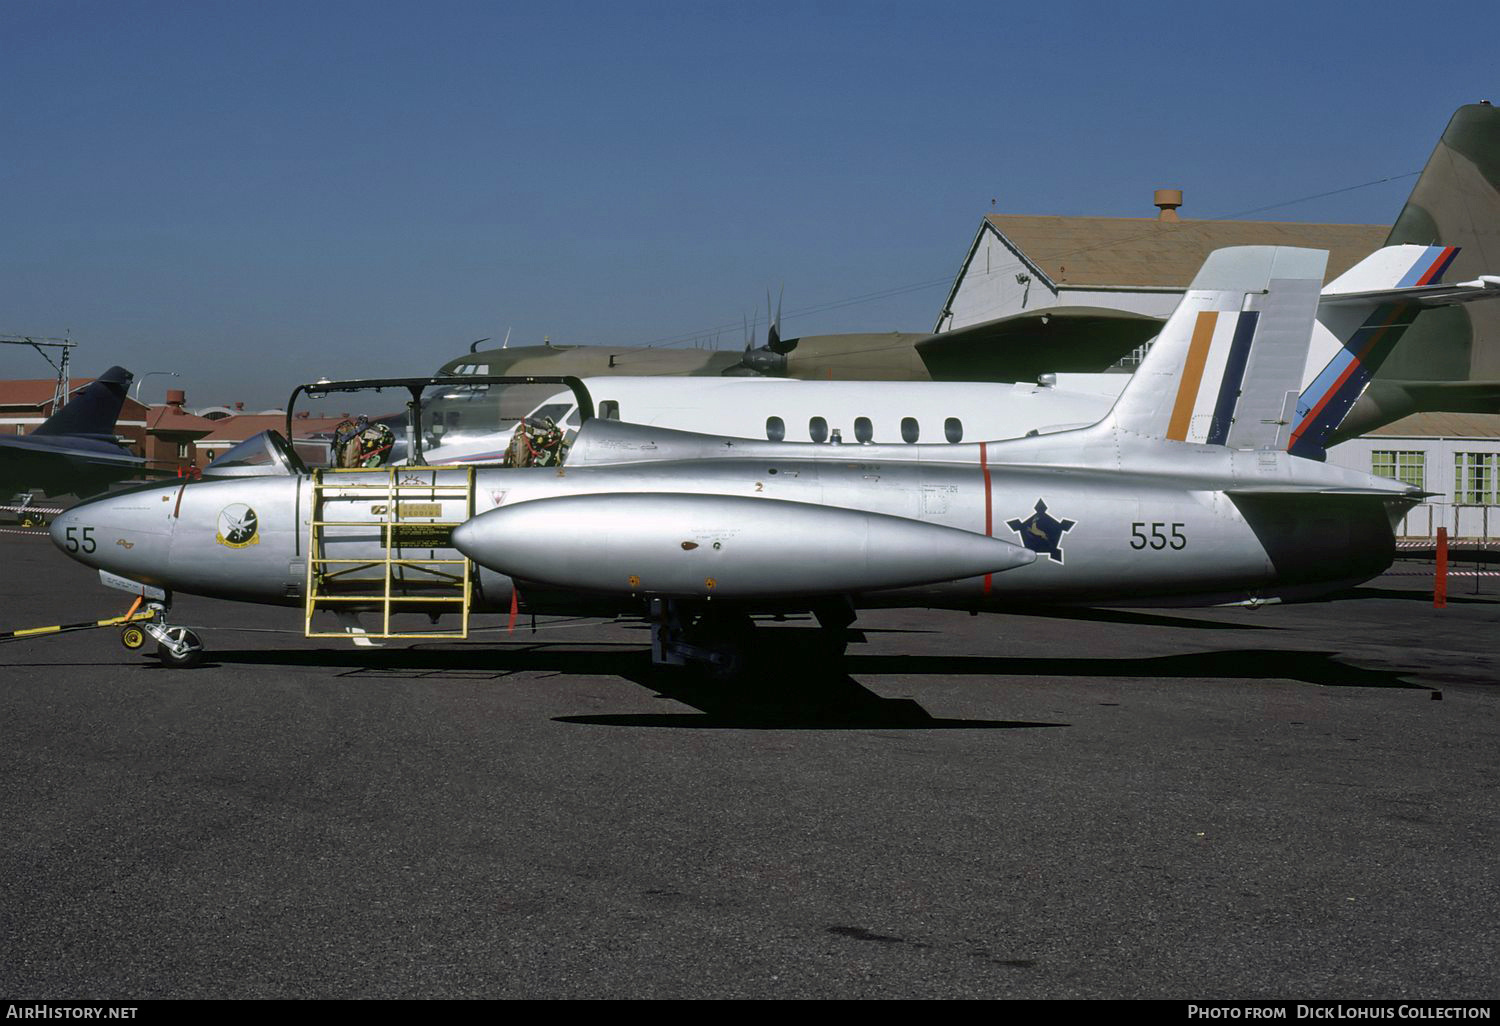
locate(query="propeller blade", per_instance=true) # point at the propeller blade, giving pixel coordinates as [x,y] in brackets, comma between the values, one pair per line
[773,336]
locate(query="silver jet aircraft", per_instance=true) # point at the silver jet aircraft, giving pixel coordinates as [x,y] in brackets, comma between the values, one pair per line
[1184,494]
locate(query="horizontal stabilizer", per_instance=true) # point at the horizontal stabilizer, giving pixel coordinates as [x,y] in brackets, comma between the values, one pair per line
[1411,494]
[1427,296]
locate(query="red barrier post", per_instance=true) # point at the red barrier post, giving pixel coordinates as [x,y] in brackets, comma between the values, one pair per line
[1440,575]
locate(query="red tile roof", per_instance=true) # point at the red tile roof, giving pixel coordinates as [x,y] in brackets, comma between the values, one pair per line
[37,393]
[34,391]
[175,418]
[239,428]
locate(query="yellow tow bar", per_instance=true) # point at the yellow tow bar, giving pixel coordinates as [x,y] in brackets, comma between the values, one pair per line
[131,637]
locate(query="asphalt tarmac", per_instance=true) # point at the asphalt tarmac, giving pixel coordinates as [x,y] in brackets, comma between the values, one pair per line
[1170,804]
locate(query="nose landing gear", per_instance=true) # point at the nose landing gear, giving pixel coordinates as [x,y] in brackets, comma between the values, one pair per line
[175,646]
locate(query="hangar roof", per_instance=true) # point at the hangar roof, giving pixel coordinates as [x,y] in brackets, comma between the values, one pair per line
[1148,252]
[1441,425]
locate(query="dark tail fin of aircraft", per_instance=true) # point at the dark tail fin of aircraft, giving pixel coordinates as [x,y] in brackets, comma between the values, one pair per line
[94,410]
[1449,359]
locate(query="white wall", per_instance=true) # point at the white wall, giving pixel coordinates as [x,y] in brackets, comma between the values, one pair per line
[988,289]
[1462,521]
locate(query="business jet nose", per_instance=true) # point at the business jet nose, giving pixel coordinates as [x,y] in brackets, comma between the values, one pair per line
[128,533]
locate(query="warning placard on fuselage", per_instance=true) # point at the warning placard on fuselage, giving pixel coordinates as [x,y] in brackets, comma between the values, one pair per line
[419,536]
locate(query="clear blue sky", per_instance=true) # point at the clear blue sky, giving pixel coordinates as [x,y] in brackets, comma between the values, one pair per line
[257,194]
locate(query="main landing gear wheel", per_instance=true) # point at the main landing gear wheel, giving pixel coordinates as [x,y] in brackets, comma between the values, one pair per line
[180,647]
[132,637]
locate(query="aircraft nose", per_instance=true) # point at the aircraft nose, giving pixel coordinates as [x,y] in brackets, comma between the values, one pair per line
[60,525]
[127,534]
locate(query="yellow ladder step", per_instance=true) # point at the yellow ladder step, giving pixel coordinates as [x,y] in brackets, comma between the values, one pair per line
[405,520]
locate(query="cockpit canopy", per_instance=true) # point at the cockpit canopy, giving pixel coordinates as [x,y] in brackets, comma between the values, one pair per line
[264,455]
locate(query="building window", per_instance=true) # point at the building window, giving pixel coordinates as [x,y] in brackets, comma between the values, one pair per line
[910,431]
[182,450]
[1474,478]
[775,429]
[817,429]
[953,430]
[863,429]
[1408,467]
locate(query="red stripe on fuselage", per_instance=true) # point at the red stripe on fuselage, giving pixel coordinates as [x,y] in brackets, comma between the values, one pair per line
[989,506]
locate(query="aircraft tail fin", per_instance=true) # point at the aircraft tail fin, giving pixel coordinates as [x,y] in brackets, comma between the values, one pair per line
[1228,365]
[94,410]
[1456,202]
[1366,311]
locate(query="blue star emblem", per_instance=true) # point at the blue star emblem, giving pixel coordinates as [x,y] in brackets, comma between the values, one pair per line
[1041,532]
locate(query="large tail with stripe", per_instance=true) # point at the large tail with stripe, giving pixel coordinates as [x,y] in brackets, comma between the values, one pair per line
[1362,315]
[1227,368]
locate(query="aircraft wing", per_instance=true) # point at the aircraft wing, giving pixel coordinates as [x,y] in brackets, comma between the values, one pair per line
[1413,494]
[63,466]
[1484,287]
[1022,346]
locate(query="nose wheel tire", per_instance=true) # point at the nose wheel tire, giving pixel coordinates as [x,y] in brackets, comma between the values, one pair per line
[181,648]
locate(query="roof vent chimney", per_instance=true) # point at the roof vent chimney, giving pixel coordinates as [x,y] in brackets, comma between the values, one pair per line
[176,397]
[1168,200]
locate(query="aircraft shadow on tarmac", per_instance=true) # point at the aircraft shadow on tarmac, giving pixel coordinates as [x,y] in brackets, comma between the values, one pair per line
[816,695]
[1324,669]
[1424,595]
[1136,618]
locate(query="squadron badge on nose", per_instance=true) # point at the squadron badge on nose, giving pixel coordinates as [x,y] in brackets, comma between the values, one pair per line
[238,526]
[1041,532]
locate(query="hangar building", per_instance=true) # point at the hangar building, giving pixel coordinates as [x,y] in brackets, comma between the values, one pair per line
[1142,265]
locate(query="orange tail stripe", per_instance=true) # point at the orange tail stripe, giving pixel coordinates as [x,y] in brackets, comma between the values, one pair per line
[1192,376]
